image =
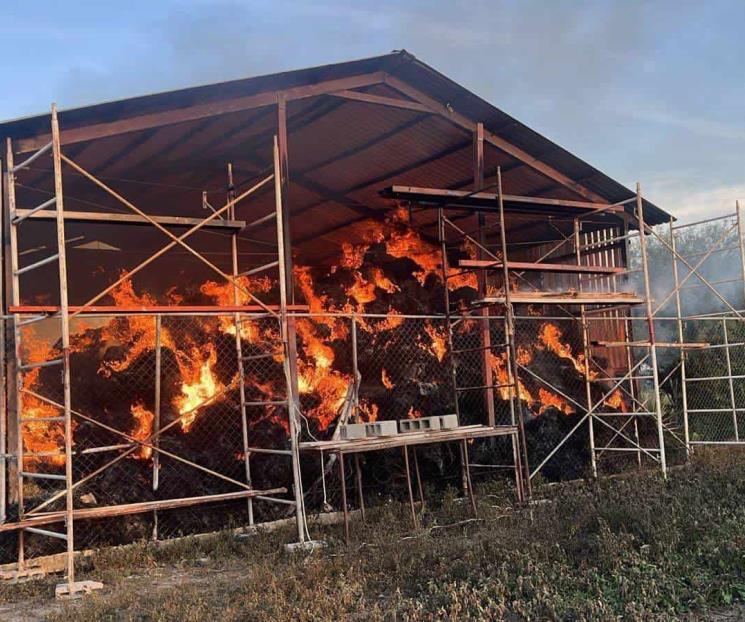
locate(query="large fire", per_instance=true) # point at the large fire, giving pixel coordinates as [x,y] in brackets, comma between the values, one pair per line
[550,337]
[40,435]
[199,386]
[388,271]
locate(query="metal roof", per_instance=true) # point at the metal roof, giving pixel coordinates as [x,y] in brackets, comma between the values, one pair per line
[342,152]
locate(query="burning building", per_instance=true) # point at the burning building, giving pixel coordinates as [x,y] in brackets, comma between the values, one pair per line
[199,281]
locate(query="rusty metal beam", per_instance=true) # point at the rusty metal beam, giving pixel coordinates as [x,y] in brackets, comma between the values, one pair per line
[368,98]
[198,111]
[485,200]
[482,280]
[539,266]
[129,219]
[467,124]
[125,509]
[151,309]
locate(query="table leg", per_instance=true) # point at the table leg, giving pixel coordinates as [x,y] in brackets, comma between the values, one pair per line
[467,468]
[463,476]
[518,469]
[360,496]
[408,483]
[343,479]
[418,476]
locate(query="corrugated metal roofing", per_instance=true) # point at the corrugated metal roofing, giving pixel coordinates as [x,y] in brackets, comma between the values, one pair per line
[342,149]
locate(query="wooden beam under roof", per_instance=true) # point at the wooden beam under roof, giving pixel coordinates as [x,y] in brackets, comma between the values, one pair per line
[381,100]
[198,111]
[130,219]
[504,145]
[529,266]
[693,345]
[152,309]
[463,199]
[564,298]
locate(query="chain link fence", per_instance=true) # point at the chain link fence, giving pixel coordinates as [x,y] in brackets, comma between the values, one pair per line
[404,369]
[181,374]
[173,382]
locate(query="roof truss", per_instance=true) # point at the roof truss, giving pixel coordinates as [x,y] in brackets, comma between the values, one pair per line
[342,88]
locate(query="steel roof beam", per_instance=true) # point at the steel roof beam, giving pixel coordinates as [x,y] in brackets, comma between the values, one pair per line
[199,111]
[467,124]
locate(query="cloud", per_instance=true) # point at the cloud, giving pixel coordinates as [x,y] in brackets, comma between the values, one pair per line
[702,126]
[541,54]
[687,202]
[610,81]
[184,44]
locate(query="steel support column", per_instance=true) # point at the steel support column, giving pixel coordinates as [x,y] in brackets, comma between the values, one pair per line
[287,295]
[478,184]
[510,337]
[650,324]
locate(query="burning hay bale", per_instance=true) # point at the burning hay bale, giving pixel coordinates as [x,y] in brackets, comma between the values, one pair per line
[388,272]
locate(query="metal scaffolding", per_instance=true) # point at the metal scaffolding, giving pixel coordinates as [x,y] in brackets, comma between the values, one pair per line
[634,396]
[622,411]
[45,509]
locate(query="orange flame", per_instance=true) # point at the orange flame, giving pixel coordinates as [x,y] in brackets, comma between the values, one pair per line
[226,294]
[413,413]
[550,337]
[368,412]
[498,364]
[136,333]
[438,346]
[40,436]
[317,376]
[199,386]
[385,379]
[551,400]
[615,400]
[546,399]
[143,428]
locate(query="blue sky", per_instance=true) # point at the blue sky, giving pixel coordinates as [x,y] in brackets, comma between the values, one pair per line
[647,91]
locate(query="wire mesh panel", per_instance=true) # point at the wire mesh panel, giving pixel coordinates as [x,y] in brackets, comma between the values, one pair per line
[209,392]
[173,383]
[696,275]
[714,380]
[402,365]
[552,390]
[403,370]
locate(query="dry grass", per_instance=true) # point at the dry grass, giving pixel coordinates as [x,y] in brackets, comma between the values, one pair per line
[635,548]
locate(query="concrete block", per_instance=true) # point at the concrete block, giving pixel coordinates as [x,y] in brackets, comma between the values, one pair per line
[353,430]
[382,428]
[448,422]
[304,547]
[422,424]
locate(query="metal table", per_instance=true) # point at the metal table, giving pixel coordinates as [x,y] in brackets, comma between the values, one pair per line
[355,447]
